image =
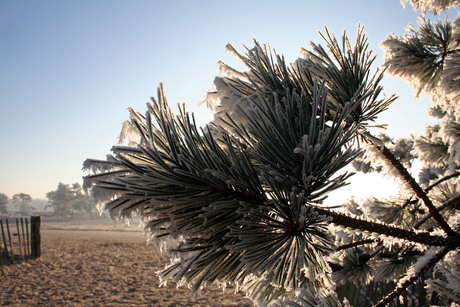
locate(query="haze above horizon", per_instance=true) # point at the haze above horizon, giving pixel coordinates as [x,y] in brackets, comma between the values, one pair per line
[70,69]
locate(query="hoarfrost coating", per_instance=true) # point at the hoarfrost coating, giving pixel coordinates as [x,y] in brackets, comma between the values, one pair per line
[239,202]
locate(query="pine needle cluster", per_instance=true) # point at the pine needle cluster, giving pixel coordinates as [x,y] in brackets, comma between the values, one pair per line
[239,201]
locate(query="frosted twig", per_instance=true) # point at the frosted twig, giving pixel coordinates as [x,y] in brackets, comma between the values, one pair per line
[415,187]
[409,280]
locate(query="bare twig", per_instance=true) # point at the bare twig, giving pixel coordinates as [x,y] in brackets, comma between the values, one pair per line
[441,180]
[453,201]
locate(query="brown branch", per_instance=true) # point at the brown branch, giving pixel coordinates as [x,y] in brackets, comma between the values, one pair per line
[416,188]
[450,202]
[410,200]
[412,235]
[428,265]
[441,180]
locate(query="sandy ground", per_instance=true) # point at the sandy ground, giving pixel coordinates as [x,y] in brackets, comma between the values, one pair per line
[98,264]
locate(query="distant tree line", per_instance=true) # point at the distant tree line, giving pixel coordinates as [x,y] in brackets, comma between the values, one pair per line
[21,200]
[3,203]
[70,201]
[66,201]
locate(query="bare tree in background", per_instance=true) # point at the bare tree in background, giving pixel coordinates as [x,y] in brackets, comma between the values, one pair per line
[23,201]
[3,203]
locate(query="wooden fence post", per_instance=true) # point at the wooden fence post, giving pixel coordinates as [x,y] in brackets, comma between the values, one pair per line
[24,243]
[35,244]
[27,237]
[9,239]
[5,247]
[20,240]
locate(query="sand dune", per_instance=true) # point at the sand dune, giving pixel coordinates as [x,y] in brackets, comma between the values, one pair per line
[98,266]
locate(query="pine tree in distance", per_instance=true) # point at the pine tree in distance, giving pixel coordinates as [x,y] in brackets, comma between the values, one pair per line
[239,202]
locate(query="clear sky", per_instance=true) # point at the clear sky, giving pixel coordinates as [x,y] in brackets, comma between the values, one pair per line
[70,69]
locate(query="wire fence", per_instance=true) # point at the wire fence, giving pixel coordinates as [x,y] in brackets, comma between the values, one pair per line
[20,239]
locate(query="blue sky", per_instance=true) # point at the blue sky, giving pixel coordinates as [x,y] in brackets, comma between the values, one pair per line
[70,69]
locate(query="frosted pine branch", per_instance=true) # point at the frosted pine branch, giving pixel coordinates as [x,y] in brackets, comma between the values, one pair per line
[454,202]
[416,188]
[411,278]
[389,230]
